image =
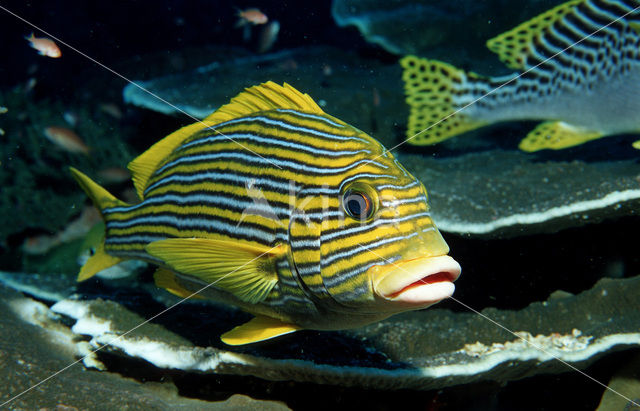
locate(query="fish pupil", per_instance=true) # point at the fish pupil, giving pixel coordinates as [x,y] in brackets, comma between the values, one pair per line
[357,205]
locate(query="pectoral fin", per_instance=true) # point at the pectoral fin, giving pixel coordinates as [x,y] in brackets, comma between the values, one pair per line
[557,135]
[636,144]
[245,270]
[259,328]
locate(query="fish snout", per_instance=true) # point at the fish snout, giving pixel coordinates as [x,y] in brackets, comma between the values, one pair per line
[417,283]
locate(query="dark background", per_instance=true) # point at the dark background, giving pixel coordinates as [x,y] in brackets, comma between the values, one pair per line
[116,31]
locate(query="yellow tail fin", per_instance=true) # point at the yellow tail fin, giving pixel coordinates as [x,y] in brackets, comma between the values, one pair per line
[102,199]
[431,89]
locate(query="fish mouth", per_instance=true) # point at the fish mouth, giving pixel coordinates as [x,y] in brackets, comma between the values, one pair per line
[418,282]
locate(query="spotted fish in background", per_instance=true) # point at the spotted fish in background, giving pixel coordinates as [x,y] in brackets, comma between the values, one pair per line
[291,214]
[588,91]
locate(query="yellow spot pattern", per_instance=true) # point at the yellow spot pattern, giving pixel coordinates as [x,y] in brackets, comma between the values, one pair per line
[431,87]
[513,46]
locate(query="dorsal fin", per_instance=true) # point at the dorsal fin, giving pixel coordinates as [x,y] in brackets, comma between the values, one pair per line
[143,166]
[264,97]
[513,46]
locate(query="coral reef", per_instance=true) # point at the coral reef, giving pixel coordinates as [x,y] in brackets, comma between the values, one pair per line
[419,350]
[52,347]
[625,388]
[509,193]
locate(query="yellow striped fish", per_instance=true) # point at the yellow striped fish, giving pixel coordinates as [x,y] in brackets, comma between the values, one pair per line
[590,89]
[286,212]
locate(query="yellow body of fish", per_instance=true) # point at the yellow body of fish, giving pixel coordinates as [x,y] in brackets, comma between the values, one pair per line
[276,207]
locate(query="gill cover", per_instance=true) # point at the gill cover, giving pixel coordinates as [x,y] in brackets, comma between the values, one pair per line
[305,230]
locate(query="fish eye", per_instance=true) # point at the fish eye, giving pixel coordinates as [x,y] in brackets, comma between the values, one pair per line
[359,203]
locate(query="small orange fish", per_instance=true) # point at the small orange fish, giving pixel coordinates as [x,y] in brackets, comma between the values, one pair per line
[253,16]
[45,46]
[66,139]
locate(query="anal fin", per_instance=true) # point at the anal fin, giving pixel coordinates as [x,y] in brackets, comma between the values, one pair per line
[166,279]
[557,135]
[257,329]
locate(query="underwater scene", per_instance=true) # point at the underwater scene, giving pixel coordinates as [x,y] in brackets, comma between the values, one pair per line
[346,204]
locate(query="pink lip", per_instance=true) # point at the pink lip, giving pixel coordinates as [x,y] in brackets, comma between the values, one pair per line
[443,276]
[420,282]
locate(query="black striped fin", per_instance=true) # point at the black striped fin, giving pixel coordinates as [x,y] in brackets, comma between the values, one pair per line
[431,87]
[561,27]
[264,97]
[513,46]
